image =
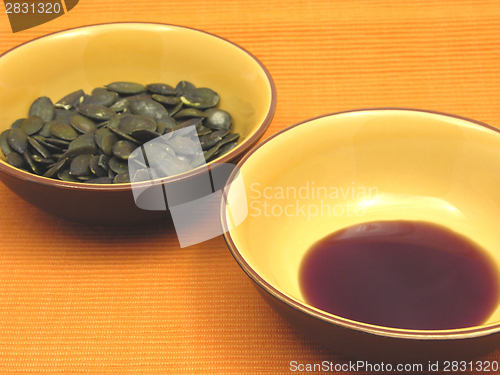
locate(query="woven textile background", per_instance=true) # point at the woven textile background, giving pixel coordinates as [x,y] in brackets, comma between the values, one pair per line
[83,299]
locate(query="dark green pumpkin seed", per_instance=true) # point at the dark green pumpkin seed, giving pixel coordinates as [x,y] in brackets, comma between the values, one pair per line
[123,149]
[59,166]
[144,135]
[126,88]
[201,98]
[226,148]
[104,98]
[80,166]
[18,140]
[231,137]
[190,112]
[99,135]
[183,87]
[83,124]
[58,142]
[39,148]
[32,124]
[95,168]
[50,147]
[97,112]
[45,130]
[118,165]
[43,108]
[125,136]
[122,178]
[183,145]
[166,121]
[160,128]
[131,123]
[103,162]
[208,141]
[4,143]
[111,174]
[202,130]
[160,89]
[166,100]
[218,119]
[120,105]
[107,143]
[83,144]
[63,131]
[40,160]
[175,109]
[98,90]
[147,107]
[65,176]
[17,123]
[71,100]
[32,165]
[16,160]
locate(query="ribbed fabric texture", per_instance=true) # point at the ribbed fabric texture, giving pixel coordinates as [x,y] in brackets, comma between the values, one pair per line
[83,299]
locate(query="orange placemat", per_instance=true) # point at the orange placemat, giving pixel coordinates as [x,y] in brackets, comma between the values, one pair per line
[82,299]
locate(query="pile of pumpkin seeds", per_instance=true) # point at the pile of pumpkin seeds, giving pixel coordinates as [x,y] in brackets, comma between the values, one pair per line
[89,138]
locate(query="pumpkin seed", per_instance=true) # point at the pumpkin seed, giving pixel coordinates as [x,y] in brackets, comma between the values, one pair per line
[32,124]
[104,98]
[63,131]
[43,108]
[107,143]
[217,119]
[83,144]
[147,107]
[59,166]
[80,166]
[96,112]
[18,140]
[166,100]
[226,148]
[31,163]
[120,105]
[16,160]
[201,98]
[175,109]
[131,123]
[103,161]
[45,130]
[124,135]
[95,168]
[161,89]
[71,100]
[126,88]
[17,123]
[208,141]
[83,124]
[118,165]
[144,135]
[123,149]
[166,121]
[40,160]
[38,147]
[58,142]
[190,112]
[183,145]
[65,176]
[228,138]
[4,143]
[122,178]
[183,87]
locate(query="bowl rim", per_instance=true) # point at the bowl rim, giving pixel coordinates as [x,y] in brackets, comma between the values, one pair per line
[231,155]
[451,334]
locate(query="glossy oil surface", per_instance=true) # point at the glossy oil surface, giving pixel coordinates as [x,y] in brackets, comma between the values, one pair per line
[401,274]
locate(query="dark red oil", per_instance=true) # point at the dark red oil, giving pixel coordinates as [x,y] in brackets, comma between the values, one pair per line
[401,274]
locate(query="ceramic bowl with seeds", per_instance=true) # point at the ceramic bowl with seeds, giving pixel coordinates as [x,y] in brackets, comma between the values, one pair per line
[70,120]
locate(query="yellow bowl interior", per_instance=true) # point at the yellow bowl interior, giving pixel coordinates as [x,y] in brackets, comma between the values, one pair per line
[366,166]
[93,56]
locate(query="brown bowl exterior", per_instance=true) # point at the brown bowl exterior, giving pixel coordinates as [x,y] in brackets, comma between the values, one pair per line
[92,56]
